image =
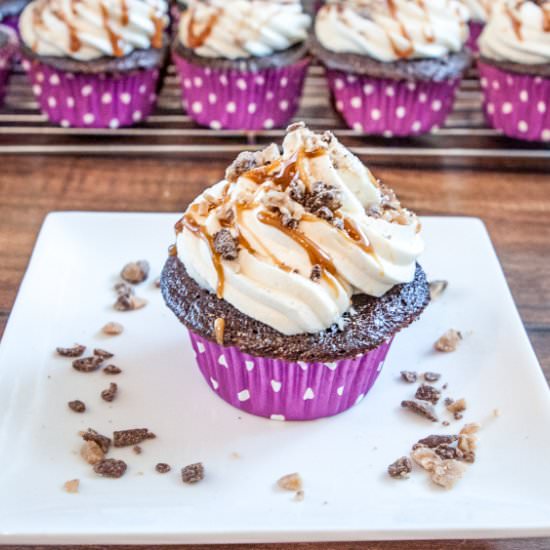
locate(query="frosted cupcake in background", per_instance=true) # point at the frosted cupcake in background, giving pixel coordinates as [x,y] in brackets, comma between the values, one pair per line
[242,63]
[293,274]
[514,66]
[479,13]
[393,66]
[8,46]
[10,11]
[94,63]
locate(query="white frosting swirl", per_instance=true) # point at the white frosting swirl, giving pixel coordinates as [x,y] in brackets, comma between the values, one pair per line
[518,31]
[234,29]
[479,9]
[388,30]
[90,29]
[272,278]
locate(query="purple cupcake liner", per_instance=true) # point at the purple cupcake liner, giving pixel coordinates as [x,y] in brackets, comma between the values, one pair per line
[476,28]
[11,21]
[241,100]
[7,52]
[284,390]
[517,104]
[93,101]
[391,107]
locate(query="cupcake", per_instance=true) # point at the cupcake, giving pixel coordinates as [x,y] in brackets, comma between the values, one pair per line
[479,13]
[8,45]
[393,66]
[94,63]
[293,275]
[9,12]
[242,64]
[514,66]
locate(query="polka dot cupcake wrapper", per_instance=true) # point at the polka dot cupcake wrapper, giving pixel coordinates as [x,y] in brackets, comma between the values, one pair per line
[93,101]
[476,28]
[391,107]
[6,54]
[240,100]
[516,104]
[283,390]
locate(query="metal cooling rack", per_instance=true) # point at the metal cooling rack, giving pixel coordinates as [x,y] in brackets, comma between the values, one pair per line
[464,140]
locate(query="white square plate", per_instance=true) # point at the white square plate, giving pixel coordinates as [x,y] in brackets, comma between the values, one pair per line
[67,296]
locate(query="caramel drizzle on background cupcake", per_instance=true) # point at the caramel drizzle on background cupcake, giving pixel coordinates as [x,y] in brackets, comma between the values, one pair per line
[197,39]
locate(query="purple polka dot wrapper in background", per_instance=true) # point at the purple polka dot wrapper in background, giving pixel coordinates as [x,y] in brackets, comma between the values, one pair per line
[516,104]
[241,100]
[390,107]
[93,100]
[284,390]
[7,51]
[476,28]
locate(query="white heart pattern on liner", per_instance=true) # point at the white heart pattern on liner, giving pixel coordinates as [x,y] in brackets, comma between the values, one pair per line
[222,360]
[276,385]
[331,366]
[309,394]
[249,365]
[361,396]
[340,391]
[277,417]
[200,347]
[303,365]
[243,395]
[214,383]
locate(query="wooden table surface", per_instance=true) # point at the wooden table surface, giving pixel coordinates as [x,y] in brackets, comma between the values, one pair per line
[515,206]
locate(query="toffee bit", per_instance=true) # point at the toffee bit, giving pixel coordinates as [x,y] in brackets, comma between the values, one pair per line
[157,282]
[449,453]
[409,376]
[447,473]
[295,126]
[289,221]
[244,162]
[420,408]
[322,195]
[456,407]
[87,364]
[109,467]
[290,482]
[449,341]
[219,330]
[425,392]
[135,272]
[128,438]
[112,369]
[162,468]
[76,351]
[433,441]
[299,496]
[110,393]
[129,303]
[91,452]
[112,329]
[103,354]
[123,289]
[72,486]
[192,473]
[297,191]
[137,449]
[103,441]
[316,273]
[437,288]
[426,458]
[445,423]
[432,376]
[77,406]
[401,468]
[226,245]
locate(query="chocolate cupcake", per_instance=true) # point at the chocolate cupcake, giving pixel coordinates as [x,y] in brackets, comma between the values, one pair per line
[242,64]
[95,64]
[293,275]
[393,66]
[514,66]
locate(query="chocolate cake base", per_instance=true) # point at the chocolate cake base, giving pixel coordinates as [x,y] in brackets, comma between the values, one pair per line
[374,321]
[538,69]
[437,70]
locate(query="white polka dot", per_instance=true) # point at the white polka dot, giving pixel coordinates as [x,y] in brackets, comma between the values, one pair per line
[284,82]
[114,123]
[252,108]
[243,395]
[136,116]
[212,98]
[387,134]
[356,102]
[422,97]
[86,90]
[155,73]
[484,82]
[496,85]
[339,84]
[308,394]
[283,105]
[411,86]
[52,102]
[490,108]
[223,80]
[152,98]
[200,347]
[249,365]
[538,80]
[39,77]
[360,398]
[276,386]
[214,383]
[339,105]
[507,108]
[303,365]
[436,105]
[368,89]
[380,365]
[231,107]
[523,126]
[400,112]
[215,125]
[351,78]
[54,80]
[545,135]
[197,81]
[375,114]
[187,83]
[416,125]
[70,102]
[509,80]
[277,417]
[37,90]
[268,124]
[260,80]
[88,118]
[222,360]
[269,96]
[541,107]
[207,71]
[241,84]
[357,126]
[143,89]
[65,123]
[196,107]
[332,365]
[340,391]
[70,76]
[390,91]
[106,98]
[524,96]
[26,65]
[125,98]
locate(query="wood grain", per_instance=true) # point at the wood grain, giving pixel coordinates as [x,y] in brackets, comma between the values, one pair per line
[515,207]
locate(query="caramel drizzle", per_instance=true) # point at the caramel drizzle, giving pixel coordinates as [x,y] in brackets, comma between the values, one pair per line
[197,39]
[74,42]
[546,17]
[113,37]
[516,23]
[124,15]
[407,52]
[156,40]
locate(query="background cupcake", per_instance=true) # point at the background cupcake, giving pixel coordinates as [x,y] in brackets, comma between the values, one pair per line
[95,63]
[8,45]
[9,12]
[393,67]
[293,274]
[479,13]
[242,64]
[515,69]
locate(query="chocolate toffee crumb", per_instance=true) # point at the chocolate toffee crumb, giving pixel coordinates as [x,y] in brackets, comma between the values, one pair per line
[91,452]
[72,486]
[467,441]
[157,282]
[437,288]
[401,468]
[76,351]
[421,408]
[457,407]
[219,330]
[433,441]
[449,341]
[290,482]
[316,273]
[87,364]
[127,438]
[409,376]
[192,473]
[135,272]
[103,353]
[425,392]
[103,441]
[137,449]
[162,468]
[432,376]
[445,423]
[77,406]
[426,458]
[445,386]
[447,401]
[129,303]
[244,162]
[112,329]
[447,472]
[225,245]
[109,467]
[299,496]
[112,369]
[322,195]
[123,289]
[110,393]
